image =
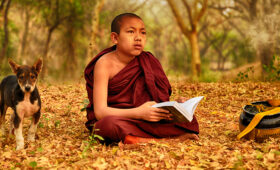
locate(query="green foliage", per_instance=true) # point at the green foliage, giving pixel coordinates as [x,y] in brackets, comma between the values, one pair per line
[180,60]
[273,69]
[2,75]
[243,53]
[72,36]
[93,140]
[41,125]
[68,109]
[11,48]
[85,103]
[209,76]
[57,123]
[231,47]
[40,149]
[33,164]
[244,76]
[239,164]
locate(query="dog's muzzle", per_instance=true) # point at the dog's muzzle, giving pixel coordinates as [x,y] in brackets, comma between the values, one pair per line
[27,88]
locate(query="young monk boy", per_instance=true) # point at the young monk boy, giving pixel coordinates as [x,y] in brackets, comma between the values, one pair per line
[123,82]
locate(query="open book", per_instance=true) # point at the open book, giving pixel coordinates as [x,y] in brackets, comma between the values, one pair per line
[182,112]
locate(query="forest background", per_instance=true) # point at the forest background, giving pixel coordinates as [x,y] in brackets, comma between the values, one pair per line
[205,40]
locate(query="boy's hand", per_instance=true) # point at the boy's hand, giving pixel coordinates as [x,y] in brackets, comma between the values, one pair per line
[181,99]
[153,114]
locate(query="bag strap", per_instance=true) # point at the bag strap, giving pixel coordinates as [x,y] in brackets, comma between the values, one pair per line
[255,121]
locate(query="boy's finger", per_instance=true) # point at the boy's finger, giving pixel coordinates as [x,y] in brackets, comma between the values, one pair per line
[162,110]
[163,116]
[155,118]
[152,103]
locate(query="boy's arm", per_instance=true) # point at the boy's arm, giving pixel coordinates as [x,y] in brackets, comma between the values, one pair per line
[100,94]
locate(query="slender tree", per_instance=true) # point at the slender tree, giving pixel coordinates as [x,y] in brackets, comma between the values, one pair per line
[93,47]
[5,6]
[54,15]
[26,8]
[191,32]
[2,4]
[72,27]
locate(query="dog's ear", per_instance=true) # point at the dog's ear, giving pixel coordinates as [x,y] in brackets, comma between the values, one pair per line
[38,65]
[14,66]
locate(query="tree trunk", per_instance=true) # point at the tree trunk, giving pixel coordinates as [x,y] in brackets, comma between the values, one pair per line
[220,57]
[95,25]
[196,63]
[45,53]
[253,9]
[2,5]
[266,56]
[24,35]
[71,60]
[5,41]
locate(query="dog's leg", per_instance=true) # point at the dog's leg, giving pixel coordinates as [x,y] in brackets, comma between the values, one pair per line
[2,125]
[2,122]
[12,124]
[3,110]
[33,126]
[18,131]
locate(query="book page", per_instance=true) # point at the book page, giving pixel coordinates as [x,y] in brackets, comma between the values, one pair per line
[170,103]
[191,104]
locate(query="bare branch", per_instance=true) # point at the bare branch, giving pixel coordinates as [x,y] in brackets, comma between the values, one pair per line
[189,13]
[202,11]
[203,27]
[237,28]
[241,2]
[179,18]
[219,8]
[253,9]
[139,6]
[56,12]
[2,4]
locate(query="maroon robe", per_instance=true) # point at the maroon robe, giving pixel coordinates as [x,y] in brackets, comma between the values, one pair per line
[142,80]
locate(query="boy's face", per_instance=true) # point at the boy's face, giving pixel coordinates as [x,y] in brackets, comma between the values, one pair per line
[132,37]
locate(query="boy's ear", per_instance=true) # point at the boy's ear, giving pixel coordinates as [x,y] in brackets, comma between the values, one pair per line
[13,65]
[114,37]
[38,65]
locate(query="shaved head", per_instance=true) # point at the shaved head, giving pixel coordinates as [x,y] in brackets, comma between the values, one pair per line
[116,23]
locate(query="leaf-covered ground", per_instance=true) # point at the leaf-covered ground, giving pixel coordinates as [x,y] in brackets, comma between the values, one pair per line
[62,137]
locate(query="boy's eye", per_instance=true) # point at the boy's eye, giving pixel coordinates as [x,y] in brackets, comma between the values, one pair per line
[130,31]
[144,32]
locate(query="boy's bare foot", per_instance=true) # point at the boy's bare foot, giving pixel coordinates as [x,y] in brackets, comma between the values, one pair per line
[186,136]
[134,139]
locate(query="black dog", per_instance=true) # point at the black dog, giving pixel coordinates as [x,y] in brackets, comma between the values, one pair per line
[21,94]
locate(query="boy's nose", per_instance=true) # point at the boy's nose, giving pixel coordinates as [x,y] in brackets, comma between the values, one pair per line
[137,37]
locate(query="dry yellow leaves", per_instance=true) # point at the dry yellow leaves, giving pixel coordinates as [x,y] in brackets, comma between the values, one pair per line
[61,136]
